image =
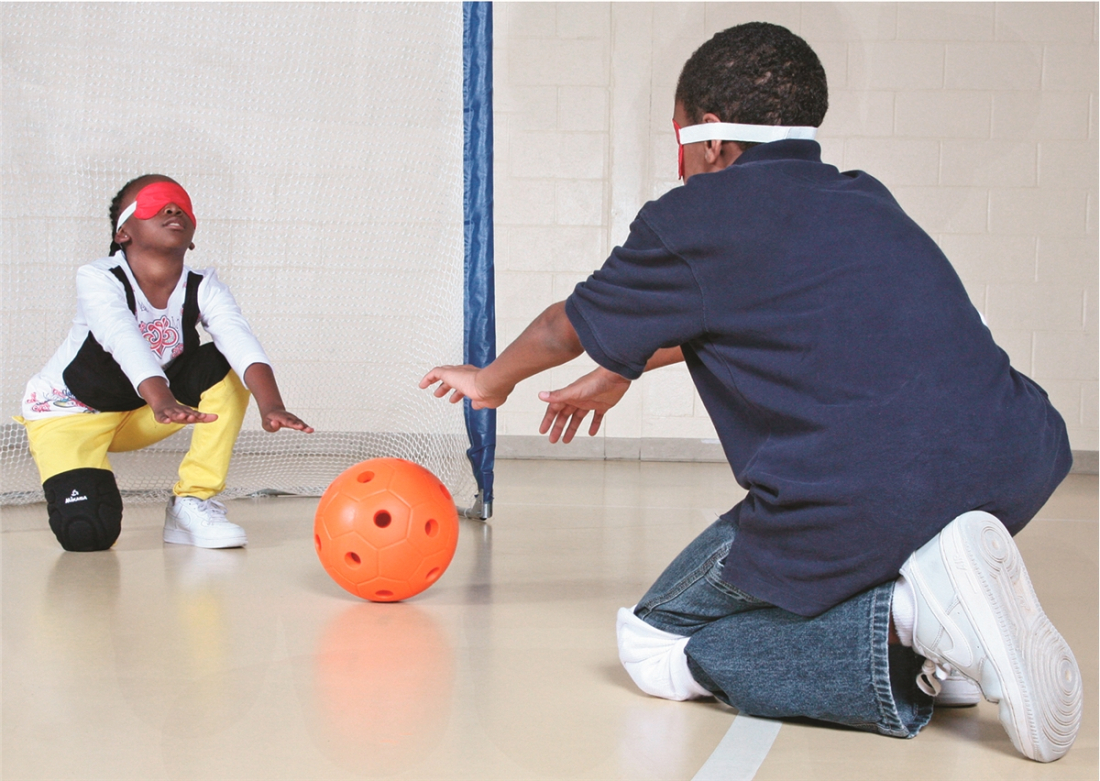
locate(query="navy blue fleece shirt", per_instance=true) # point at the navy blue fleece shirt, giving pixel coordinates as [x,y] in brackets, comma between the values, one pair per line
[857,394]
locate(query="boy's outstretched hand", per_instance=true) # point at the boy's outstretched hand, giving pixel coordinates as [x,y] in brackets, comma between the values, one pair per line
[596,392]
[461,382]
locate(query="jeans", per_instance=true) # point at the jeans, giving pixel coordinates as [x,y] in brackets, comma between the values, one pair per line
[765,661]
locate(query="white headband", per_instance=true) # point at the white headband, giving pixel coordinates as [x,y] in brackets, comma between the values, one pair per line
[754,134]
[126,214]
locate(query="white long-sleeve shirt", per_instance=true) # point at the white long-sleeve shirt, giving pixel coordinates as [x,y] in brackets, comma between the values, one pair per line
[142,343]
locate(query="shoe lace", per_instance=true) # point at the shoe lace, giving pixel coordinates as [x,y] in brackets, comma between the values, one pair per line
[931,676]
[214,511]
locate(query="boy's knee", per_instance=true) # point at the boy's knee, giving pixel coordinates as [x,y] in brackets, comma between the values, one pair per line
[655,659]
[85,509]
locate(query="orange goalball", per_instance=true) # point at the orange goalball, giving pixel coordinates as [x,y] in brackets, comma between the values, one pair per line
[386,529]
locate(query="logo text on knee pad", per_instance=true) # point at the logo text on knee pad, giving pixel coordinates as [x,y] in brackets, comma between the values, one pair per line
[76,497]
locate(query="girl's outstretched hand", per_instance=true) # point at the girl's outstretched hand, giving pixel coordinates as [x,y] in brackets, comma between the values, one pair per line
[164,406]
[273,420]
[174,412]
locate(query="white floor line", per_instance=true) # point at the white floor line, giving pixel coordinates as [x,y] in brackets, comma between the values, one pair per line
[741,751]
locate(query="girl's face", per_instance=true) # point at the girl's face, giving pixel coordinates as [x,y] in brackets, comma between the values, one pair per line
[163,218]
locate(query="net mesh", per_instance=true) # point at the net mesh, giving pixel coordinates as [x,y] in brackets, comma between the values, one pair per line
[321,145]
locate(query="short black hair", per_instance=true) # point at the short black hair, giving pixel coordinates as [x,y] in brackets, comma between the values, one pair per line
[755,74]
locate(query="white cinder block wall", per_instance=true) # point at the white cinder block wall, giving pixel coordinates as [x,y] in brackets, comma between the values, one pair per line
[980,117]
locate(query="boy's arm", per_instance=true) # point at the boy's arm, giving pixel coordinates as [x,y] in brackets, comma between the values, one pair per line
[596,392]
[666,356]
[548,341]
[260,380]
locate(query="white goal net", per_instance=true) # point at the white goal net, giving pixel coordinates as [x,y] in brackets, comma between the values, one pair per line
[321,145]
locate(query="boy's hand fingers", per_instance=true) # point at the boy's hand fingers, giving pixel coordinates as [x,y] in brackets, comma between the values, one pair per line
[574,424]
[431,377]
[427,379]
[548,418]
[436,375]
[559,424]
[562,422]
[565,424]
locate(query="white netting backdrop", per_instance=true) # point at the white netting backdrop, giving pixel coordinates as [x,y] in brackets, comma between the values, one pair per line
[322,148]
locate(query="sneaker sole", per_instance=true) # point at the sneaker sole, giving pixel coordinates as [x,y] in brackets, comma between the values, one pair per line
[1034,676]
[180,537]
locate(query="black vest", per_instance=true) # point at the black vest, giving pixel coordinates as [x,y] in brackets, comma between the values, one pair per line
[95,377]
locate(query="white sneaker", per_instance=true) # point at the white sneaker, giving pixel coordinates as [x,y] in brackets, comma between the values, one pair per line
[976,613]
[192,521]
[949,689]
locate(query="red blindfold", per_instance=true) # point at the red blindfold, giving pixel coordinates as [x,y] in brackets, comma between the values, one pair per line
[154,197]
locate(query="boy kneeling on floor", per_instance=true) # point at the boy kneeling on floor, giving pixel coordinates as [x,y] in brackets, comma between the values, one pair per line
[888,448]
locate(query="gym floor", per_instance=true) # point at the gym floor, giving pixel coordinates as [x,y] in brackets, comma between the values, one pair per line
[154,661]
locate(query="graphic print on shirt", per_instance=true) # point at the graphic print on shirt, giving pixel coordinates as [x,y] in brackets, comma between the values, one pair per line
[59,399]
[163,337]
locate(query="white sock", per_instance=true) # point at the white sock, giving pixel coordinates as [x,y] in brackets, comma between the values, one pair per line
[903,610]
[655,659]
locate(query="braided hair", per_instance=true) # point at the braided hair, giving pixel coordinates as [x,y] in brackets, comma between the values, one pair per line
[116,209]
[755,74]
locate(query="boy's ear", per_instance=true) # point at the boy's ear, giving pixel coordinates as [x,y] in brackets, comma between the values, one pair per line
[712,150]
[719,154]
[121,237]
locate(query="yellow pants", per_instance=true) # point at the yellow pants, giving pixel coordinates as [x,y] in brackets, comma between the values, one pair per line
[83,441]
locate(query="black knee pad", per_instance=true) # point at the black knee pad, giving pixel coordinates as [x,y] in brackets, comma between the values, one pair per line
[85,509]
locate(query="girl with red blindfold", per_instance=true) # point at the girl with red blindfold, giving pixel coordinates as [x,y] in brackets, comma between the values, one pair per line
[132,371]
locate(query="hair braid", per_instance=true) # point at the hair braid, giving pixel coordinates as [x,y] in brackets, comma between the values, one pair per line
[116,209]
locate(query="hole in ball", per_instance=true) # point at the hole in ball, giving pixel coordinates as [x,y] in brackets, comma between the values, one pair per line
[352,559]
[365,477]
[383,593]
[431,528]
[382,519]
[434,573]
[317,542]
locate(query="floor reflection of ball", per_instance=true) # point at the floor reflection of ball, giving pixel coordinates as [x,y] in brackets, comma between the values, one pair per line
[382,689]
[386,529]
